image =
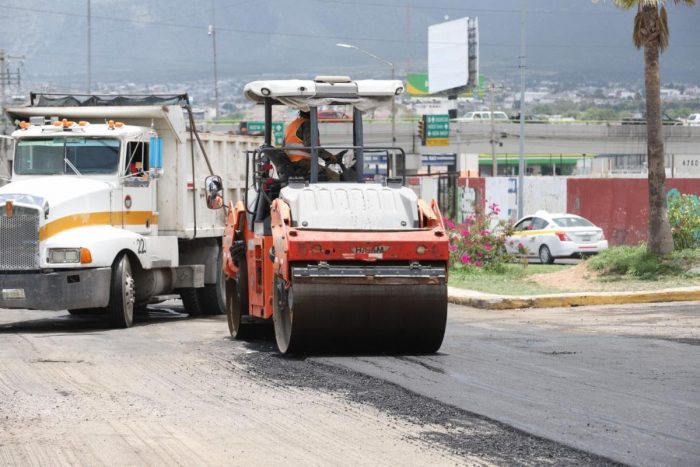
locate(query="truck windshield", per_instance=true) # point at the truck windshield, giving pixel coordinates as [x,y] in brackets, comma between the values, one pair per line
[67,155]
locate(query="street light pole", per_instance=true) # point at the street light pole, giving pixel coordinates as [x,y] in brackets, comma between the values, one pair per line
[521,162]
[212,33]
[89,47]
[393,99]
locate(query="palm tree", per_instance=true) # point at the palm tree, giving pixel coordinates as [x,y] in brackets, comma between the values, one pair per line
[651,32]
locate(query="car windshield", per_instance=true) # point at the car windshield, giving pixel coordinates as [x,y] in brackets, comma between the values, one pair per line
[67,156]
[572,222]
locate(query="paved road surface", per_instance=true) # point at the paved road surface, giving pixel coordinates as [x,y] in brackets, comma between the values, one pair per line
[564,387]
[623,382]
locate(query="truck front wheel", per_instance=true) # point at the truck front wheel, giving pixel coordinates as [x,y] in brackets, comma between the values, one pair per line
[122,294]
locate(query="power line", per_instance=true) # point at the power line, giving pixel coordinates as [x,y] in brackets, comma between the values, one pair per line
[317,36]
[462,9]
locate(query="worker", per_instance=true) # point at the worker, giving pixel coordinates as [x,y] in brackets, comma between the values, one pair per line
[215,199]
[298,135]
[135,168]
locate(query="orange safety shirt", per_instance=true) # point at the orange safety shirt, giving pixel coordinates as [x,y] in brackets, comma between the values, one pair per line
[292,140]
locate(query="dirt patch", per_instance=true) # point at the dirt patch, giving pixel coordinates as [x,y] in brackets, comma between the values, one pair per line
[581,278]
[578,278]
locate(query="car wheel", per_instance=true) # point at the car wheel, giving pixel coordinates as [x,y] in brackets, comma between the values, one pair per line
[546,255]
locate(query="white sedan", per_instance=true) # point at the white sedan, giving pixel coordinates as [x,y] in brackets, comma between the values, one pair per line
[551,236]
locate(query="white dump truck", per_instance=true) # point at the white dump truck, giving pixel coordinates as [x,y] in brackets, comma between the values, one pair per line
[106,209]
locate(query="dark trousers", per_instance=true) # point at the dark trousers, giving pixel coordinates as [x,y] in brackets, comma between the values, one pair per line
[302,168]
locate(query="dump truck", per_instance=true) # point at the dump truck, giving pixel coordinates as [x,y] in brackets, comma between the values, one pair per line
[106,209]
[355,264]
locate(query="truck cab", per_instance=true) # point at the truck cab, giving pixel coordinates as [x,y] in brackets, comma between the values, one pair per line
[106,209]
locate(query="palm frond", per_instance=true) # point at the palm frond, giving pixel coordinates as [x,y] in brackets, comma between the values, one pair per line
[662,29]
[638,33]
[624,4]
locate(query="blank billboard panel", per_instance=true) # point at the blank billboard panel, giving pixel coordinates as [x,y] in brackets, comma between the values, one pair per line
[448,55]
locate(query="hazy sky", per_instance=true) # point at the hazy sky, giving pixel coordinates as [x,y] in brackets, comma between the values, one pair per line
[167,40]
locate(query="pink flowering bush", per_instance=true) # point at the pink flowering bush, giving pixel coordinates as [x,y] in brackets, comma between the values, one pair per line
[479,242]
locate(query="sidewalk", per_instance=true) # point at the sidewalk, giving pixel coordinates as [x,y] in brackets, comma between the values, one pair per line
[506,302]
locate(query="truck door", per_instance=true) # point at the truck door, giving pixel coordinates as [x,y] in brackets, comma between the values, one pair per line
[139,208]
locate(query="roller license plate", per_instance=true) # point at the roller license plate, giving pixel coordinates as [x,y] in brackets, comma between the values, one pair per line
[586,238]
[13,294]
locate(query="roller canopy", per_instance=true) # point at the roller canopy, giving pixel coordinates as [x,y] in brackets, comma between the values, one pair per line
[365,95]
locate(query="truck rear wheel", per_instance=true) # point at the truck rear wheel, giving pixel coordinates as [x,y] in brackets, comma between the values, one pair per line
[122,294]
[212,298]
[237,303]
[190,301]
[86,311]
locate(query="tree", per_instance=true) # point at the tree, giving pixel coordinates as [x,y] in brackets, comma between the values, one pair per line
[651,33]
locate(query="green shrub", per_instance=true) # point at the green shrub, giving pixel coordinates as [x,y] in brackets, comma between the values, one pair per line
[479,242]
[637,262]
[684,217]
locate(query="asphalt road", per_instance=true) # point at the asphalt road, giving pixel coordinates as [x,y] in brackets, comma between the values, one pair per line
[583,386]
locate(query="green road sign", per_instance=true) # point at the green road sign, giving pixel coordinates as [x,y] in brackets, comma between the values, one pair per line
[437,129]
[258,128]
[255,128]
[278,132]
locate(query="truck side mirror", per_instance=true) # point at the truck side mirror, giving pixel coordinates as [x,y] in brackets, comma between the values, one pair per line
[215,192]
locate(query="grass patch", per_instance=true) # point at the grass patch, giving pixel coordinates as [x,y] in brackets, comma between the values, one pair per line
[512,279]
[636,262]
[618,269]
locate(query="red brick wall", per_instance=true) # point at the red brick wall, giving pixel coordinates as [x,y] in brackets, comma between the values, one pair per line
[619,205]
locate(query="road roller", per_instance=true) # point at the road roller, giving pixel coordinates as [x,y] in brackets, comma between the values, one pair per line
[349,263]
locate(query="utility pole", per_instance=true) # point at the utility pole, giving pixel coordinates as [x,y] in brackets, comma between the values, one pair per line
[89,47]
[212,33]
[521,162]
[7,78]
[494,163]
[393,112]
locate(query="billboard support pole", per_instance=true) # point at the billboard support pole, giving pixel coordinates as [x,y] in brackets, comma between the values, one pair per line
[521,161]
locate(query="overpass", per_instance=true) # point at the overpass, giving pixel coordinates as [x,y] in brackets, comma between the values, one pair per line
[545,138]
[540,138]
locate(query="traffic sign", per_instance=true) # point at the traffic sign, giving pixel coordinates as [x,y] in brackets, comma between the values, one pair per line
[437,130]
[258,128]
[278,132]
[439,159]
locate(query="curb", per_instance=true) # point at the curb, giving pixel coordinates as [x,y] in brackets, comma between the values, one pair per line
[501,302]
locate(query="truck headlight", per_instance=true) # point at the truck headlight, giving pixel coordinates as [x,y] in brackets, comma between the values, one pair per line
[64,255]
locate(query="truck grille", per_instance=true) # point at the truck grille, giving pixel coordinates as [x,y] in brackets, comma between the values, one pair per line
[19,239]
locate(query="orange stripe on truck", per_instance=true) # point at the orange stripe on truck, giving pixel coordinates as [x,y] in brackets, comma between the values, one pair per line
[89,219]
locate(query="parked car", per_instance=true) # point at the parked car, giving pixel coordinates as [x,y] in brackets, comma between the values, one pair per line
[665,120]
[551,236]
[333,116]
[483,116]
[693,120]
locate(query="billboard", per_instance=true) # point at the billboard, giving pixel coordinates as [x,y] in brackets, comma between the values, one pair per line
[417,84]
[453,54]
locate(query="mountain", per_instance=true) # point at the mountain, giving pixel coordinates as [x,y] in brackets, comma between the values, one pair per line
[150,41]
